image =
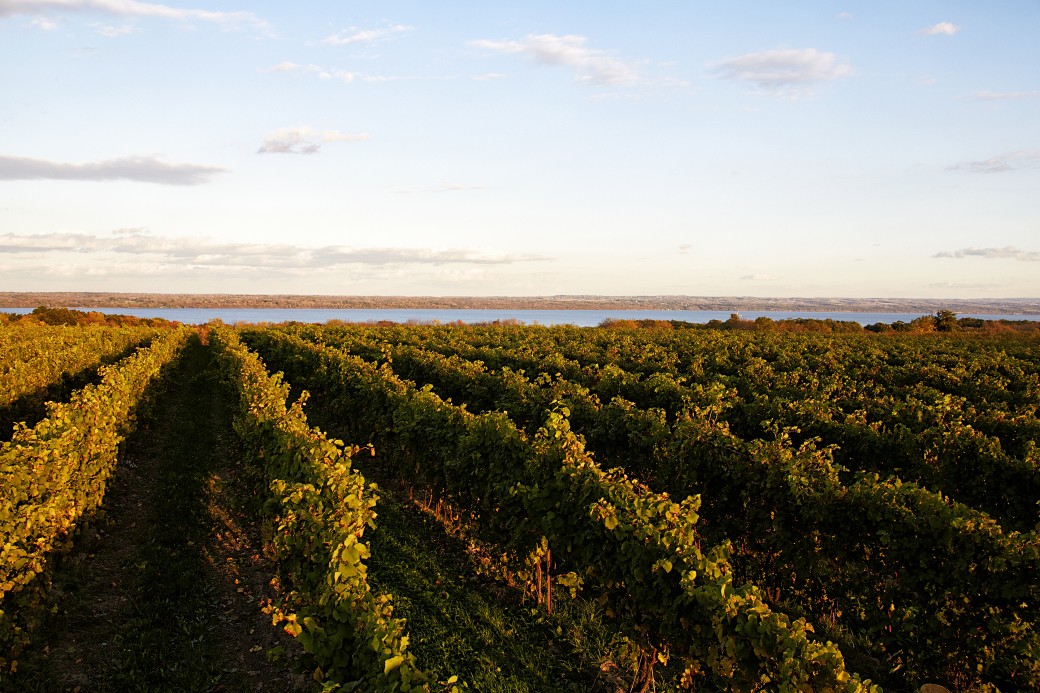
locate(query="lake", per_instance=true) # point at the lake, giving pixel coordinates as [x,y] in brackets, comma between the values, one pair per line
[580,318]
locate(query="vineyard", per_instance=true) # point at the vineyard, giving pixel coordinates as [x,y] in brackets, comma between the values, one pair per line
[428,507]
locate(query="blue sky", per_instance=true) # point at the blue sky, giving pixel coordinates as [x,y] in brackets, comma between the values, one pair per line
[460,148]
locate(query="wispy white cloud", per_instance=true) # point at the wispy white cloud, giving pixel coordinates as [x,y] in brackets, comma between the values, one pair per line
[1008,252]
[131,8]
[760,277]
[110,31]
[1004,95]
[195,252]
[43,23]
[354,35]
[964,285]
[617,96]
[347,76]
[143,169]
[456,187]
[442,188]
[590,65]
[284,66]
[488,77]
[1023,158]
[784,69]
[311,69]
[305,140]
[941,29]
[392,78]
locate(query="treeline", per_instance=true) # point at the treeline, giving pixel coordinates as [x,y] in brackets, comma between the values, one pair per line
[942,321]
[104,299]
[70,316]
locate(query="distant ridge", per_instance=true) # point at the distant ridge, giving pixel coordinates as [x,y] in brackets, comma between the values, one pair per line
[1023,306]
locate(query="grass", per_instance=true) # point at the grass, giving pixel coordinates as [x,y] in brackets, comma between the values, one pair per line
[464,622]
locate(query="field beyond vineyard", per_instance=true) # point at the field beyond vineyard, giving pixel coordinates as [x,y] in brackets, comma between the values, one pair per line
[510,508]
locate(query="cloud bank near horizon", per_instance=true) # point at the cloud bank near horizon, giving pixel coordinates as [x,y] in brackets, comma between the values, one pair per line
[180,252]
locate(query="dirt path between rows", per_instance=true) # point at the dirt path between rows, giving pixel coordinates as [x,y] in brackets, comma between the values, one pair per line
[165,591]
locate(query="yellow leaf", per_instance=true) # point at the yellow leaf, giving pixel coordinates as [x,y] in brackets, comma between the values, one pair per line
[392,663]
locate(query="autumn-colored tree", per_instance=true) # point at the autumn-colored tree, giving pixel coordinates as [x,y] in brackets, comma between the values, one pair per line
[925,323]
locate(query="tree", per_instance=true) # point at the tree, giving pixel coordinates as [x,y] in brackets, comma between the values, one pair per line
[764,324]
[925,323]
[945,321]
[57,316]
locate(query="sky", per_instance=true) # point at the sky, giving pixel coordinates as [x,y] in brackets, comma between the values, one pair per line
[826,148]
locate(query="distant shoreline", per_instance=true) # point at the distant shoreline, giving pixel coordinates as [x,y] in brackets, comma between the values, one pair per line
[1019,306]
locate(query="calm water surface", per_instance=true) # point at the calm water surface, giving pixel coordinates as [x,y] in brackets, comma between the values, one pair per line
[580,318]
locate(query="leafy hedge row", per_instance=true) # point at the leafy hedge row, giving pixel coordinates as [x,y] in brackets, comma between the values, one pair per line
[639,552]
[319,508]
[955,416]
[54,473]
[940,590]
[41,362]
[33,356]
